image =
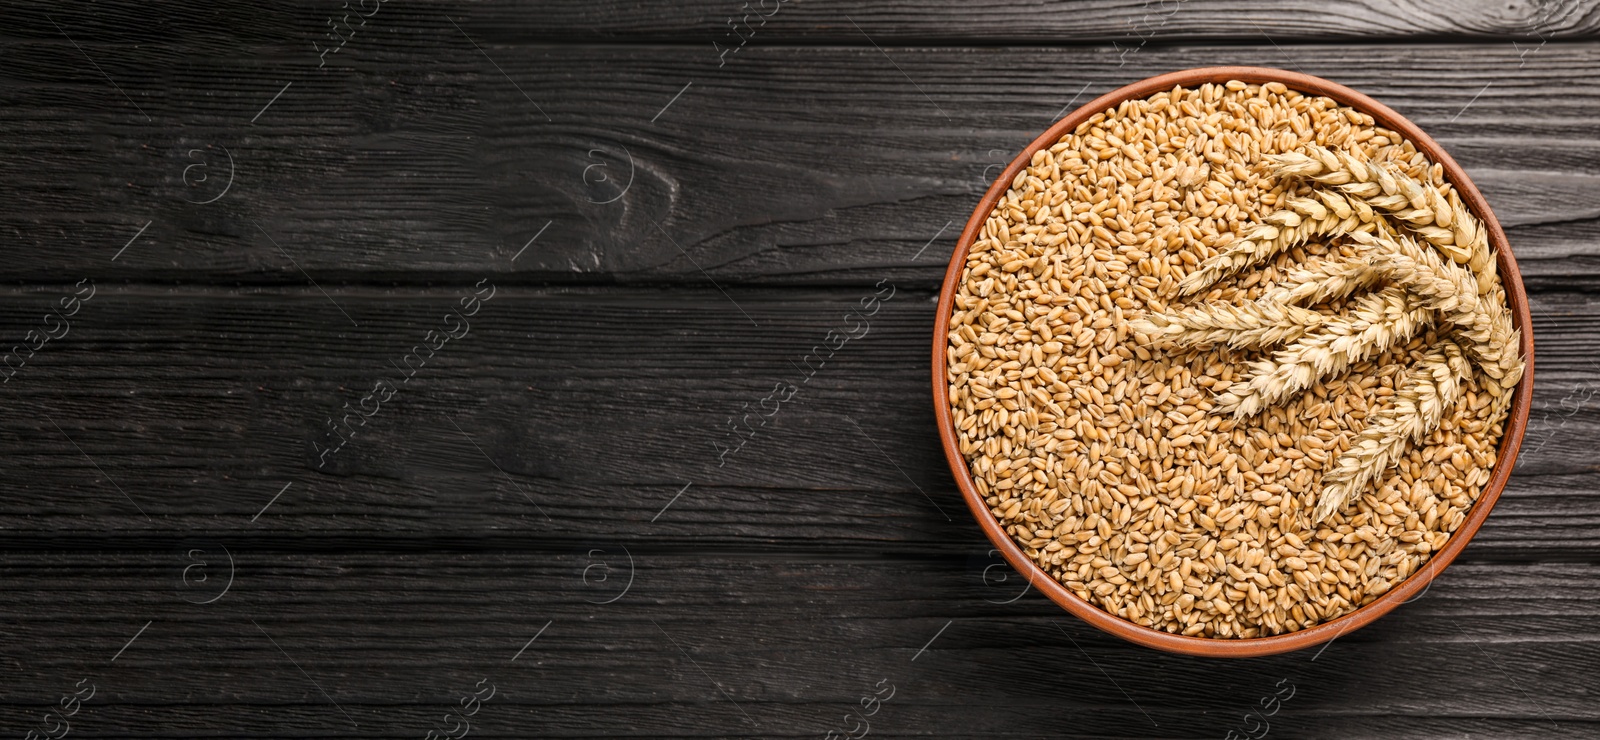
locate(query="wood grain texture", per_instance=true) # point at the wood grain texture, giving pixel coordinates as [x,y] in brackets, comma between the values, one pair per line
[774,645]
[593,407]
[1129,22]
[415,159]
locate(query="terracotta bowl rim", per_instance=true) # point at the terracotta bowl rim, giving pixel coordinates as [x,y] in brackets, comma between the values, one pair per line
[1516,423]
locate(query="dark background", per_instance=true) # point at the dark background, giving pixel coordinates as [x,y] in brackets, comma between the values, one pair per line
[669,226]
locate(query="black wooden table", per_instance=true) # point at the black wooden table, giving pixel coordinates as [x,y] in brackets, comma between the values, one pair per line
[598,234]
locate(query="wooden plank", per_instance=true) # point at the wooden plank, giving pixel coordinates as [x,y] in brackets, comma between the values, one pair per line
[728,23]
[780,645]
[599,408]
[1131,24]
[425,162]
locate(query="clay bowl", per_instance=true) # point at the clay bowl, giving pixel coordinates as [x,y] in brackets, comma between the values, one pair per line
[1516,424]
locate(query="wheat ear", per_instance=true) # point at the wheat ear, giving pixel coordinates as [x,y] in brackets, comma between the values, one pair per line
[1331,278]
[1255,324]
[1380,319]
[1281,230]
[1325,214]
[1428,390]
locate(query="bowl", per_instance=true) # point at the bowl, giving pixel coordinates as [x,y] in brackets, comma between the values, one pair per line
[1516,421]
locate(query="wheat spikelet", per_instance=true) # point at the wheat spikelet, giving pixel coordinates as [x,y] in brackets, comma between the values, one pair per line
[1499,352]
[1378,321]
[1500,406]
[1343,206]
[1429,388]
[1255,324]
[1480,259]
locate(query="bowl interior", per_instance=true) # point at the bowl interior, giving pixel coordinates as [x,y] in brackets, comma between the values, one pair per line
[1515,425]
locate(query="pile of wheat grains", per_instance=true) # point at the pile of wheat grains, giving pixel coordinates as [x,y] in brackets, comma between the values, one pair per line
[1101,456]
